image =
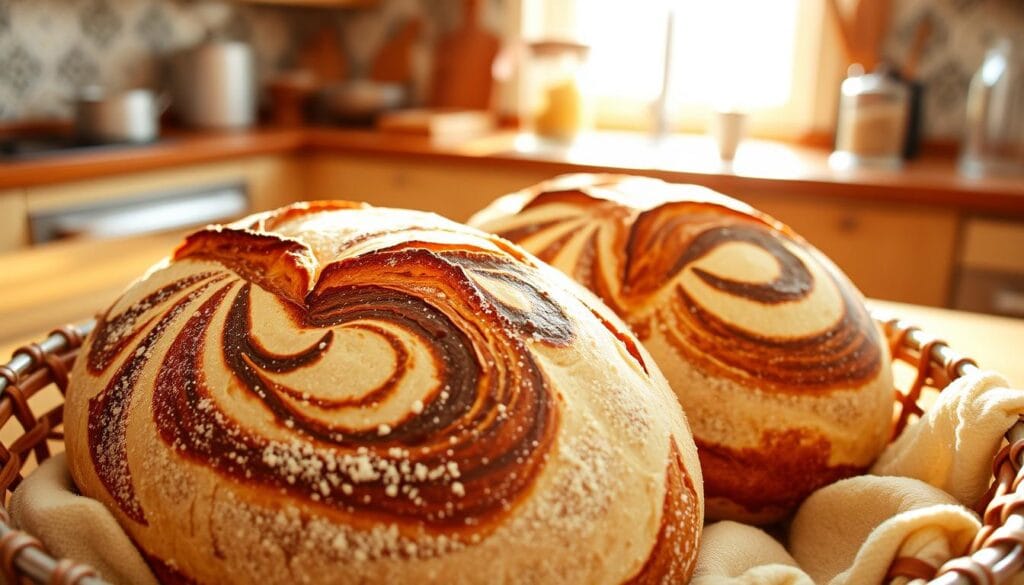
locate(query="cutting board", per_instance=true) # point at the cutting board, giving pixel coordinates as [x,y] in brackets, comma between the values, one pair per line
[462,64]
[324,57]
[442,126]
[393,64]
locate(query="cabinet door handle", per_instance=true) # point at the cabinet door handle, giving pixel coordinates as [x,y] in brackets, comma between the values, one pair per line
[849,223]
[1008,301]
[400,179]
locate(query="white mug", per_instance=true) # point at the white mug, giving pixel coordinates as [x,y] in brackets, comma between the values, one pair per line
[728,128]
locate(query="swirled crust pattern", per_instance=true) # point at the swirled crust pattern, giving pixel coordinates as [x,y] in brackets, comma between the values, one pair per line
[336,393]
[784,376]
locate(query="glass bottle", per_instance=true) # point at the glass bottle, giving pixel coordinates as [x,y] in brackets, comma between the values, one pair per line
[994,135]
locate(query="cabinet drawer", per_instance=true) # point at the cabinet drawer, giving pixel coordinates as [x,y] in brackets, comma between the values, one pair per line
[899,253]
[453,190]
[270,182]
[13,220]
[986,291]
[993,245]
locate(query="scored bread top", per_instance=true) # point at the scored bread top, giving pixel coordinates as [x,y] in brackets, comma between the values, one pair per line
[782,372]
[381,387]
[738,293]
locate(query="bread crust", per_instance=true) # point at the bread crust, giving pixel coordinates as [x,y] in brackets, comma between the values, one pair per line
[783,374]
[335,393]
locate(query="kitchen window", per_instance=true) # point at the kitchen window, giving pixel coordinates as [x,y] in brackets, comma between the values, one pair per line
[755,56]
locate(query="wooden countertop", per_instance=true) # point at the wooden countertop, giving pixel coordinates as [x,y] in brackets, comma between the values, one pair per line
[175,149]
[68,282]
[770,167]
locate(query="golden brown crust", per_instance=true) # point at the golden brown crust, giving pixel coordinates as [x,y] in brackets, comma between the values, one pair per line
[166,574]
[774,477]
[650,248]
[736,309]
[673,556]
[276,264]
[336,383]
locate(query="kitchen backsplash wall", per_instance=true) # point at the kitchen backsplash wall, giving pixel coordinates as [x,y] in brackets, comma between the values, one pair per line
[962,30]
[48,48]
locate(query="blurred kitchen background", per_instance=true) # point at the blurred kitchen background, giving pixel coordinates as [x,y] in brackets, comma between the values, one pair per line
[890,133]
[50,49]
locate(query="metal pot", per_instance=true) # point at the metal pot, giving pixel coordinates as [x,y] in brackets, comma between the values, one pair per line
[128,116]
[214,85]
[358,101]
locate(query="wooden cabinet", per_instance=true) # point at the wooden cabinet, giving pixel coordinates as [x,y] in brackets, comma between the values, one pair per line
[270,181]
[895,251]
[274,181]
[990,271]
[890,251]
[454,189]
[993,244]
[13,223]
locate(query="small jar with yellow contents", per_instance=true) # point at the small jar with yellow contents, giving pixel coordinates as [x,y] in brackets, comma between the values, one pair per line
[553,105]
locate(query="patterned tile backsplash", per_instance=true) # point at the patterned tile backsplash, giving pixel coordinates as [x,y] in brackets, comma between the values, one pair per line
[49,48]
[962,30]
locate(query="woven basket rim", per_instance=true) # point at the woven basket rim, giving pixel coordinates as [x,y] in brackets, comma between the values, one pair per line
[997,553]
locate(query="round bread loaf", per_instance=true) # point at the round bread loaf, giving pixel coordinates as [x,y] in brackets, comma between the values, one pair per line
[336,393]
[781,371]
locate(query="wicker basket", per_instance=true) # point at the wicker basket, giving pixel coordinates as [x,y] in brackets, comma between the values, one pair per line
[997,553]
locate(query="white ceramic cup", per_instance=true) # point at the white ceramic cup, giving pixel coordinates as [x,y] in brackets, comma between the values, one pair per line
[728,128]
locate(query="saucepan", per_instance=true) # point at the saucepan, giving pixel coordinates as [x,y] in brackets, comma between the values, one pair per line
[126,116]
[358,101]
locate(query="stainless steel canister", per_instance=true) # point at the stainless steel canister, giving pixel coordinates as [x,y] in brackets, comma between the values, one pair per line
[214,85]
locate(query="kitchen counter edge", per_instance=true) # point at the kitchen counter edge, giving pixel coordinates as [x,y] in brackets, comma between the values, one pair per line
[931,181]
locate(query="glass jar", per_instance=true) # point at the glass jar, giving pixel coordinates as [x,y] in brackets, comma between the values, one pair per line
[872,124]
[553,104]
[994,136]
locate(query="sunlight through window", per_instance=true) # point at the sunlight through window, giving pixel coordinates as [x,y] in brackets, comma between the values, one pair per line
[728,53]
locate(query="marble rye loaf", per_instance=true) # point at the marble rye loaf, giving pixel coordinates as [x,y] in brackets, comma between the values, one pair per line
[336,393]
[781,371]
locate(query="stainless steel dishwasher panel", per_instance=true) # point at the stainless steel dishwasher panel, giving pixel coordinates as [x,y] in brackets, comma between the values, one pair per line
[142,214]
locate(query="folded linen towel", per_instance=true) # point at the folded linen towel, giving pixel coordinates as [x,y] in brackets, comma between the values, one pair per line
[848,533]
[47,506]
[852,531]
[952,446]
[737,554]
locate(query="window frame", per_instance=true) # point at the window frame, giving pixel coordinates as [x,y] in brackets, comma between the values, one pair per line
[806,111]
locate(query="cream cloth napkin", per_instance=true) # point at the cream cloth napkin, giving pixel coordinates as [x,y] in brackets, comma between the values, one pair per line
[737,554]
[953,445]
[847,533]
[850,532]
[912,506]
[47,506]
